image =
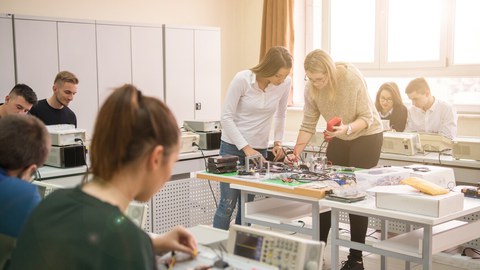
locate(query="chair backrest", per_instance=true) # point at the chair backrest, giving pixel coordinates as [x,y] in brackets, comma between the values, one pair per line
[136,211]
[7,243]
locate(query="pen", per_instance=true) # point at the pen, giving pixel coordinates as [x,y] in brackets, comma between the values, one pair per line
[172,261]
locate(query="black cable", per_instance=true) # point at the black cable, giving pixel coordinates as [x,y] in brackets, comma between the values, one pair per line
[206,169]
[371,235]
[38,176]
[476,251]
[84,151]
[303,225]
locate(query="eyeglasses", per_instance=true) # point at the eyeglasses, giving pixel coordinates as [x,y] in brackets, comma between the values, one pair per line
[316,81]
[386,99]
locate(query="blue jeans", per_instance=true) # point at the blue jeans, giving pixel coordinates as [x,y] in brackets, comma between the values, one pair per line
[230,197]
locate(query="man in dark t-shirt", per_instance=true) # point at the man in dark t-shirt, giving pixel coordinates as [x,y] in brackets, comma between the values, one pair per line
[19,101]
[54,110]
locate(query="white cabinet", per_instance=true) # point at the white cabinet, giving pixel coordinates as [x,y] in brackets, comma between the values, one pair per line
[147,60]
[113,58]
[77,54]
[207,74]
[7,64]
[180,65]
[36,54]
[179,73]
[192,72]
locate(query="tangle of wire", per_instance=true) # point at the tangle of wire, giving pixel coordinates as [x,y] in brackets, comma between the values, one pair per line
[206,169]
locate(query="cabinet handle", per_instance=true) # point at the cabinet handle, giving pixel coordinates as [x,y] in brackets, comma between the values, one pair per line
[198,106]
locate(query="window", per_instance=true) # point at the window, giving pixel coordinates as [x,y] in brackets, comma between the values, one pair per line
[414,31]
[358,29]
[467,32]
[398,40]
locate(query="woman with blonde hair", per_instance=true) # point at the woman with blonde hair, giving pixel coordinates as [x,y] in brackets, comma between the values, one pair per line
[134,147]
[339,90]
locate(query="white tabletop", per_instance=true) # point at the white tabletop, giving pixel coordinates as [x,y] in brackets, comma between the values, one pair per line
[368,207]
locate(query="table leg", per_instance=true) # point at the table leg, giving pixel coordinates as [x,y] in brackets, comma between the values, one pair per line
[334,239]
[383,236]
[408,229]
[243,199]
[427,247]
[315,221]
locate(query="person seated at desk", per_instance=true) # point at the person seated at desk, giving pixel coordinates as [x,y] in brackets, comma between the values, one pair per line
[54,110]
[19,101]
[429,114]
[24,145]
[390,106]
[85,227]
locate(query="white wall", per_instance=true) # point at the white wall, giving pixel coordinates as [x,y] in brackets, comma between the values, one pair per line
[240,21]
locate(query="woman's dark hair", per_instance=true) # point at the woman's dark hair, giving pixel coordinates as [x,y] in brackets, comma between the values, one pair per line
[276,58]
[392,88]
[24,141]
[128,126]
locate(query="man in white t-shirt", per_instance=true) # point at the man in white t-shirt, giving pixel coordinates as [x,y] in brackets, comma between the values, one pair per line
[429,114]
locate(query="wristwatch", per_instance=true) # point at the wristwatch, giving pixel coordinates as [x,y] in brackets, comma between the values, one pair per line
[349,129]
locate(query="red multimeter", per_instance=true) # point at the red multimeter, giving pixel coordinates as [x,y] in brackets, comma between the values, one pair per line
[335,121]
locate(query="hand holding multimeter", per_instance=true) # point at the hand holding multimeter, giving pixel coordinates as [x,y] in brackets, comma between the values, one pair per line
[331,124]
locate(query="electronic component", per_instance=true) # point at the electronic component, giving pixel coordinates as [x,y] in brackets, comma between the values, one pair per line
[402,143]
[283,251]
[222,164]
[432,142]
[203,126]
[335,121]
[254,162]
[66,156]
[466,148]
[189,142]
[471,192]
[345,198]
[209,140]
[65,134]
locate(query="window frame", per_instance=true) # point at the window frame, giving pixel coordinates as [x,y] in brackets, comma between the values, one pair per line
[442,68]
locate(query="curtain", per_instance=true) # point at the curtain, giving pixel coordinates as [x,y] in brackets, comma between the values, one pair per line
[277,27]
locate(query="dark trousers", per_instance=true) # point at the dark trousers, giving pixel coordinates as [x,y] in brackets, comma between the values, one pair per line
[363,152]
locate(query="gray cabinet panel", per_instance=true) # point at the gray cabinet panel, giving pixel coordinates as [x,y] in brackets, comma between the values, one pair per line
[7,65]
[147,60]
[77,54]
[179,73]
[207,74]
[113,58]
[36,54]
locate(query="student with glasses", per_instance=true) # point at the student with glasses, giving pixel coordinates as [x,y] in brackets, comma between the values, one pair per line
[24,145]
[390,106]
[339,90]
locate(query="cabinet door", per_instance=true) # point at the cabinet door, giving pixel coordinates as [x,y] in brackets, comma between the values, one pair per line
[147,60]
[114,58]
[207,74]
[179,73]
[77,54]
[36,54]
[7,64]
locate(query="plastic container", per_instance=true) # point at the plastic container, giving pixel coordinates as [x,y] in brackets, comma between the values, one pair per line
[380,177]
